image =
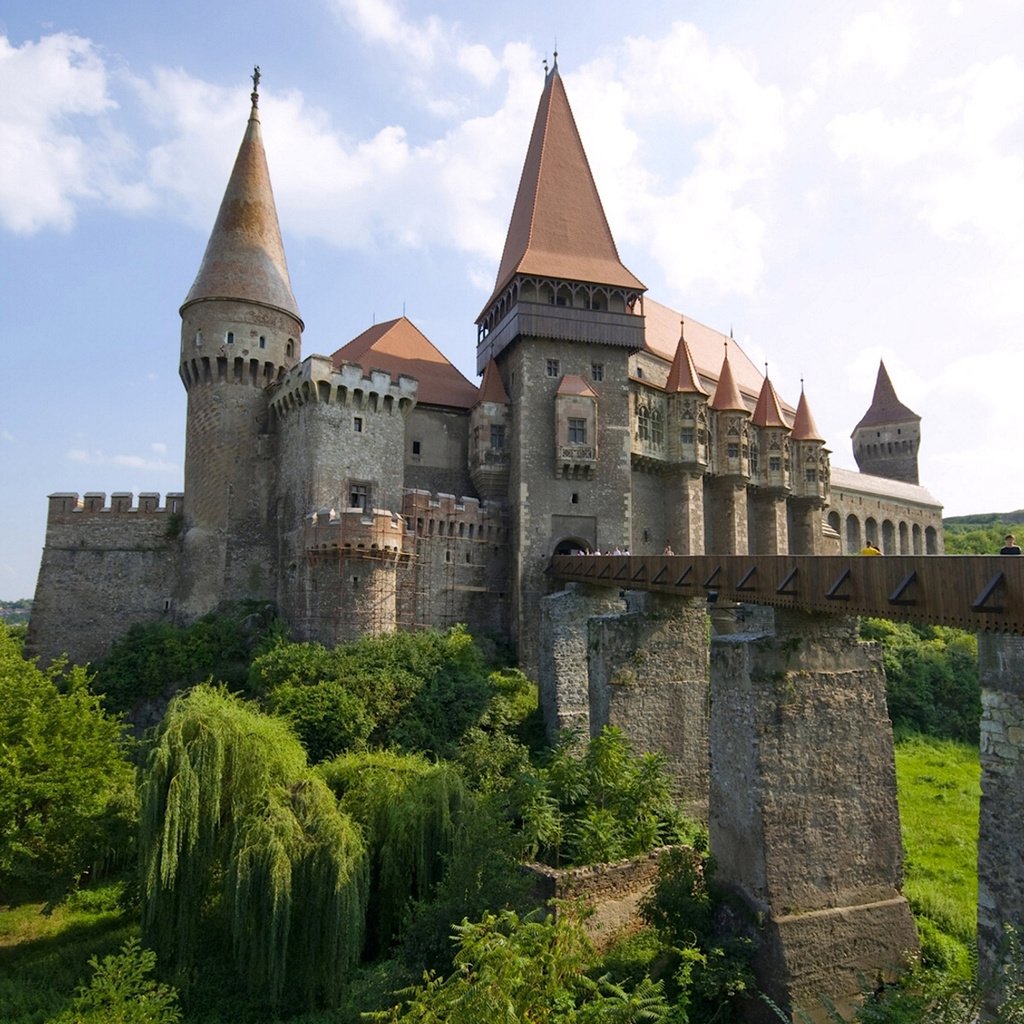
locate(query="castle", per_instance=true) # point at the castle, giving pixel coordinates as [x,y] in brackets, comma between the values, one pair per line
[378,489]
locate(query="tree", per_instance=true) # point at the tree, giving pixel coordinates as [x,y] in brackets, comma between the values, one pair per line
[238,832]
[66,786]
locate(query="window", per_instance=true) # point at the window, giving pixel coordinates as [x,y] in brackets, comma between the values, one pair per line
[597,371]
[811,475]
[416,447]
[552,367]
[199,339]
[230,337]
[643,423]
[686,435]
[657,433]
[357,424]
[774,463]
[575,498]
[359,496]
[497,436]
[289,347]
[577,431]
[733,451]
[263,341]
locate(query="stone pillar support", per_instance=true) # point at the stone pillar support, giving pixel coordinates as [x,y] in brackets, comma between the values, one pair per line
[804,820]
[686,518]
[729,523]
[807,537]
[1001,828]
[648,676]
[771,530]
[562,655]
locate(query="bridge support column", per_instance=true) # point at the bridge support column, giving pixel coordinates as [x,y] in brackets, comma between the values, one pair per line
[804,820]
[562,654]
[649,677]
[1001,830]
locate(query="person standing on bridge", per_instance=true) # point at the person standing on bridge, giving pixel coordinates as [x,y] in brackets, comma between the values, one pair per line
[1010,546]
[870,549]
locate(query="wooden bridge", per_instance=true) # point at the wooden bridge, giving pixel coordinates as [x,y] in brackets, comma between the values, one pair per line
[980,593]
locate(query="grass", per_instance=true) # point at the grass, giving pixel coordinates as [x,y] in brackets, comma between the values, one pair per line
[939,793]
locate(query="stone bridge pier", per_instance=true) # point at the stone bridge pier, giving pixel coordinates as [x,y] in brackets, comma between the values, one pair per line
[782,742]
[1000,846]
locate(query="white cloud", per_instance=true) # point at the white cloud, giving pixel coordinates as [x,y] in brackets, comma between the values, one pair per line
[880,39]
[380,21]
[59,148]
[97,457]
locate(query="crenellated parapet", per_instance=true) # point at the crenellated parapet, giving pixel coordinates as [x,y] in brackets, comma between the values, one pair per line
[66,507]
[317,380]
[445,516]
[356,533]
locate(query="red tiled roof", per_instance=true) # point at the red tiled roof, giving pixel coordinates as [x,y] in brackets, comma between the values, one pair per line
[768,412]
[804,427]
[491,387]
[244,257]
[574,384]
[398,346]
[683,376]
[558,227]
[727,397]
[885,407]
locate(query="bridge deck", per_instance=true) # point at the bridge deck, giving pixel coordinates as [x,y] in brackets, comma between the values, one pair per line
[974,592]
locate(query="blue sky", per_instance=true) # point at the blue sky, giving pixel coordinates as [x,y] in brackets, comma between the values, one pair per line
[838,183]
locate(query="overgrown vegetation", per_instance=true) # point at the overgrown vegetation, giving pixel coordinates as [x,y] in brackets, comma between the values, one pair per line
[980,534]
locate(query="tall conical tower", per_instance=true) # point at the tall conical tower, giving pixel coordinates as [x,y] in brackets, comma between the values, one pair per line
[731,465]
[240,331]
[560,326]
[886,440]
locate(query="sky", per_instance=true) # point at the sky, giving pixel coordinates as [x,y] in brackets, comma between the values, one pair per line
[835,183]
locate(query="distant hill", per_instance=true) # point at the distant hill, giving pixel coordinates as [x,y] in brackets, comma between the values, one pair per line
[985,519]
[15,612]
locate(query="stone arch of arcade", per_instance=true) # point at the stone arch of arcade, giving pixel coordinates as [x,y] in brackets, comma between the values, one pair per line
[894,537]
[781,738]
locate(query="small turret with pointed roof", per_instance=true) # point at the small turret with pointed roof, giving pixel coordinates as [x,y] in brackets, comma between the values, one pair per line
[811,467]
[888,436]
[559,250]
[770,443]
[731,425]
[687,409]
[489,437]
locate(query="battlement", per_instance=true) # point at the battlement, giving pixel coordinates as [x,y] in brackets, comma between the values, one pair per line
[356,533]
[316,379]
[65,506]
[444,515]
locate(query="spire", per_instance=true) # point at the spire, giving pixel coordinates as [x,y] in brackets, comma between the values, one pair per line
[491,387]
[683,374]
[768,411]
[885,406]
[244,257]
[558,227]
[727,396]
[804,427]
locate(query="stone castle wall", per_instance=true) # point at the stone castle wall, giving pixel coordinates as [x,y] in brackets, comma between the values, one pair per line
[105,566]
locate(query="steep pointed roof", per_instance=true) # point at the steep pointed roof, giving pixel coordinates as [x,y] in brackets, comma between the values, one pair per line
[682,376]
[768,411]
[491,387]
[558,227]
[727,397]
[397,347]
[804,427]
[885,406]
[244,257]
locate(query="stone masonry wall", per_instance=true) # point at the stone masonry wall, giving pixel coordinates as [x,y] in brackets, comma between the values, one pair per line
[1001,843]
[104,568]
[648,674]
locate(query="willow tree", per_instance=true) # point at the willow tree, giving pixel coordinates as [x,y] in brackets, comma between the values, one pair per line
[236,828]
[409,809]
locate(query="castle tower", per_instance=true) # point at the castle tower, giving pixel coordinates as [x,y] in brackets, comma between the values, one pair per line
[563,309]
[886,440]
[810,481]
[687,450]
[770,473]
[488,437]
[730,465]
[240,331]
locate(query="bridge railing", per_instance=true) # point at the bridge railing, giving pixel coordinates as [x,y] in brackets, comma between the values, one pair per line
[980,593]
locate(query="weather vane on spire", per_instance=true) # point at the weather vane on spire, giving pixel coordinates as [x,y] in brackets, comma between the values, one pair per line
[255,85]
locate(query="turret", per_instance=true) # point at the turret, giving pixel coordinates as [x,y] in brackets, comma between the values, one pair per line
[811,480]
[240,331]
[769,445]
[886,441]
[731,426]
[687,410]
[489,437]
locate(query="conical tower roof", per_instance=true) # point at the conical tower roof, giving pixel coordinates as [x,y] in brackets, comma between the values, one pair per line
[804,427]
[558,227]
[727,396]
[244,257]
[491,387]
[682,375]
[885,406]
[768,411]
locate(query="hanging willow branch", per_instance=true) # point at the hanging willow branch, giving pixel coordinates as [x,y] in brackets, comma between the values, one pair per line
[234,821]
[409,810]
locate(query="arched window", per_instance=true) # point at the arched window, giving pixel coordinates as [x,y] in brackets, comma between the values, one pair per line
[657,429]
[853,542]
[643,423]
[230,337]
